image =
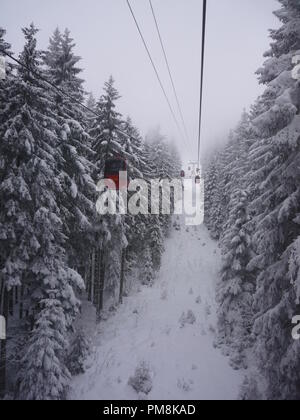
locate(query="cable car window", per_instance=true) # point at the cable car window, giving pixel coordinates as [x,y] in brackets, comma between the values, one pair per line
[115,166]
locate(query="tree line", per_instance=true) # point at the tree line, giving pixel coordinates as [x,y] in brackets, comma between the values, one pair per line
[55,250]
[253,207]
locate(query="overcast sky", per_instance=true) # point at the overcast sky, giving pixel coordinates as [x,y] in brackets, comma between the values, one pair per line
[108,42]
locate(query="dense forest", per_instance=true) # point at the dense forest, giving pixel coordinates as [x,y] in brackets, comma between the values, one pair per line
[55,250]
[174,310]
[253,208]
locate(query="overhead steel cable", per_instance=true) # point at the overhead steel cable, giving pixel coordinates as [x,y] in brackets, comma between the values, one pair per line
[169,70]
[154,67]
[202,76]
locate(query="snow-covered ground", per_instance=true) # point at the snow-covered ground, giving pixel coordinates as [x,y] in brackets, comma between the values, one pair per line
[170,327]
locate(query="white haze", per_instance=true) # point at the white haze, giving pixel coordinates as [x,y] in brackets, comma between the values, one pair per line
[107,40]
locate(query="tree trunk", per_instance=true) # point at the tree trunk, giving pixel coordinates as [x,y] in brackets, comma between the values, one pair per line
[93,275]
[102,282]
[89,278]
[97,279]
[122,275]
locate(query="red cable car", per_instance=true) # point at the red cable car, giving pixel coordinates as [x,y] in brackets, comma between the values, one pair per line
[197,179]
[182,174]
[111,171]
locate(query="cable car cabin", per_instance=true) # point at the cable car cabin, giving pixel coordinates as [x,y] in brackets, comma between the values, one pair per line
[198,179]
[112,170]
[182,174]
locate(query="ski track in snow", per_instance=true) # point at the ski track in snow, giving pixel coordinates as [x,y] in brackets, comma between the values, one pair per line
[184,363]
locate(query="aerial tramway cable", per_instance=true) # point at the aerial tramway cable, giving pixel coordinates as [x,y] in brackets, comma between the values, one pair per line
[169,70]
[202,77]
[154,68]
[93,112]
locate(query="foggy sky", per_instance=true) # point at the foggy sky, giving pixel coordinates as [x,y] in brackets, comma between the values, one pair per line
[108,42]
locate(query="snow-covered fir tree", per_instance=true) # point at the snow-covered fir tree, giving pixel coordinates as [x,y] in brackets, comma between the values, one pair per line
[32,226]
[52,154]
[269,173]
[275,157]
[78,192]
[43,375]
[213,198]
[236,287]
[105,129]
[6,88]
[147,272]
[91,103]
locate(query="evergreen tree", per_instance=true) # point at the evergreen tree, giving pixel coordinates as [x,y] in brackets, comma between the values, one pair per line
[155,240]
[235,290]
[6,89]
[53,57]
[147,273]
[91,103]
[44,376]
[4,46]
[108,141]
[5,84]
[31,223]
[78,189]
[270,174]
[275,157]
[105,131]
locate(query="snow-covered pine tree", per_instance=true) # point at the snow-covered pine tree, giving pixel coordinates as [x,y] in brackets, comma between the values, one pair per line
[165,164]
[175,159]
[4,46]
[225,173]
[78,193]
[43,375]
[61,63]
[32,227]
[134,149]
[236,288]
[147,272]
[160,155]
[275,156]
[271,178]
[91,103]
[212,196]
[228,219]
[155,240]
[113,261]
[218,191]
[53,57]
[135,224]
[79,351]
[5,84]
[113,136]
[107,139]
[6,89]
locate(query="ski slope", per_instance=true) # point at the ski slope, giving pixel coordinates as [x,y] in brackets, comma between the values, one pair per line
[149,327]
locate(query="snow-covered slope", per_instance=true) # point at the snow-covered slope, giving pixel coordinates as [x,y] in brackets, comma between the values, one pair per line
[170,327]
